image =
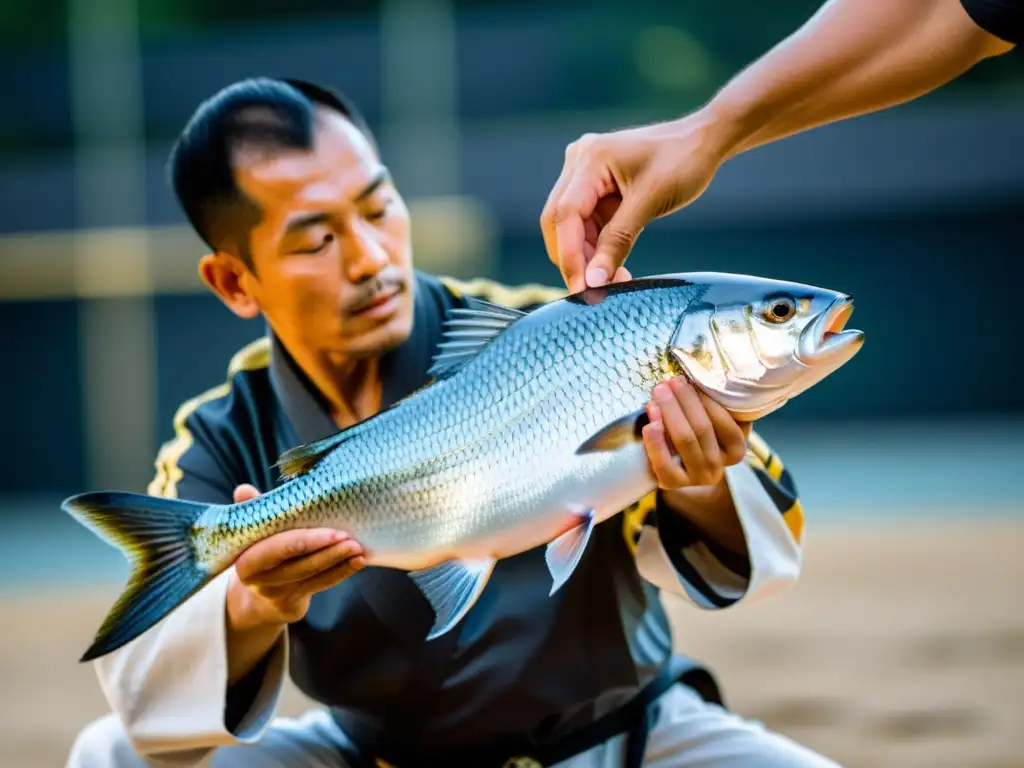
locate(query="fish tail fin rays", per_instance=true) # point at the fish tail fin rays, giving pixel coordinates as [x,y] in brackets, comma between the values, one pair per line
[155,535]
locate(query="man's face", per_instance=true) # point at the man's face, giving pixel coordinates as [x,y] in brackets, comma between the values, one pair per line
[331,252]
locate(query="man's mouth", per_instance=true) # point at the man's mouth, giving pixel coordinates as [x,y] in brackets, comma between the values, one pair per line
[378,299]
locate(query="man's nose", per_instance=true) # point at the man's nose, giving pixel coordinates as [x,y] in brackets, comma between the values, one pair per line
[364,257]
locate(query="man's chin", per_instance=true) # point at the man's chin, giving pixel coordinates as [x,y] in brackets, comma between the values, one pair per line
[380,340]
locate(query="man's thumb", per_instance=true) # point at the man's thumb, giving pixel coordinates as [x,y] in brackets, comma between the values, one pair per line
[614,243]
[245,492]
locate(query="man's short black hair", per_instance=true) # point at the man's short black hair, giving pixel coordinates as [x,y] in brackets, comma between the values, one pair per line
[259,113]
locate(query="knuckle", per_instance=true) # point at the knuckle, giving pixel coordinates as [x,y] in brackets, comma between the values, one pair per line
[619,238]
[677,479]
[588,142]
[564,210]
[735,452]
[685,439]
[703,430]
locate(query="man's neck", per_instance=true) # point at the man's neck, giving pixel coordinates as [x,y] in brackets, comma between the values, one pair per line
[351,387]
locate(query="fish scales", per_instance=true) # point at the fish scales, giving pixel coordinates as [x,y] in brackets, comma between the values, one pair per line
[474,452]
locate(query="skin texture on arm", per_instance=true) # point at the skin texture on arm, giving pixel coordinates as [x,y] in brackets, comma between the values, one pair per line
[851,58]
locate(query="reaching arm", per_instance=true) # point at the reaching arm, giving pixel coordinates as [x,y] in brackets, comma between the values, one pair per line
[852,57]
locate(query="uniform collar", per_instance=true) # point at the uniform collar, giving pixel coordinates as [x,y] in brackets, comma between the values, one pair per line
[403,370]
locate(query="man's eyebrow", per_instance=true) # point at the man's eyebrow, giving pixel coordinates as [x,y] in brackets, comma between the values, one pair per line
[380,178]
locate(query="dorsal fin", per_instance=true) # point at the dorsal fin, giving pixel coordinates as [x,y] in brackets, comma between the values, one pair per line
[299,460]
[467,330]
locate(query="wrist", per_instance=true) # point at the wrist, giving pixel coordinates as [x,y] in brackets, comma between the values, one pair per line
[698,499]
[710,510]
[727,125]
[248,612]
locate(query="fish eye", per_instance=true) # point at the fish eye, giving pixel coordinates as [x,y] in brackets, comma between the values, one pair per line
[779,309]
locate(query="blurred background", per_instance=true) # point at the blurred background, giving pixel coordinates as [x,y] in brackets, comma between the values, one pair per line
[904,642]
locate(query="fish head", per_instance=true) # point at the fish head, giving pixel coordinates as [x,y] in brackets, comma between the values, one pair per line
[754,343]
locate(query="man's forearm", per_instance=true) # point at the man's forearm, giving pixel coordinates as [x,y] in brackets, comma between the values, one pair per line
[852,57]
[248,640]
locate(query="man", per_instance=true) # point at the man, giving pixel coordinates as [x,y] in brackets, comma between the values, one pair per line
[284,183]
[851,58]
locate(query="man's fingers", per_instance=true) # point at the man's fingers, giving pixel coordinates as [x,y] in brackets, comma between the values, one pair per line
[731,435]
[547,216]
[666,469]
[617,239]
[573,210]
[281,547]
[334,575]
[245,492]
[680,433]
[703,428]
[308,566]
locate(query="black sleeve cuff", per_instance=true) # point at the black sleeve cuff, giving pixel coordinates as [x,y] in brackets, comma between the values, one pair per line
[1002,18]
[677,534]
[242,695]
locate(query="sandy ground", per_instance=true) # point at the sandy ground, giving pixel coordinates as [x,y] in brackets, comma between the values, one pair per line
[904,648]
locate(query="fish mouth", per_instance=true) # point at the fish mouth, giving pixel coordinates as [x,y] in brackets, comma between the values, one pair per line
[827,339]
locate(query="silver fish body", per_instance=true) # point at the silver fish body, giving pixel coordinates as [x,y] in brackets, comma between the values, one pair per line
[530,433]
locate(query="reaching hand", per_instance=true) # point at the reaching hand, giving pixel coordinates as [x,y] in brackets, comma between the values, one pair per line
[613,184]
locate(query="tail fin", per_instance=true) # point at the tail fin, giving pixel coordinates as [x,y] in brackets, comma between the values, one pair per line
[154,534]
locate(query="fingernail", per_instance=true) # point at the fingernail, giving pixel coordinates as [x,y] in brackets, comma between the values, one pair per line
[662,392]
[653,412]
[596,277]
[339,536]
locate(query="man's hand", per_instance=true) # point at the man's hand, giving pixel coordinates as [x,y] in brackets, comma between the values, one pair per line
[273,582]
[275,578]
[613,184]
[690,440]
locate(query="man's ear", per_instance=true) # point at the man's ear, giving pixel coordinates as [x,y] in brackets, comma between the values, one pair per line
[231,281]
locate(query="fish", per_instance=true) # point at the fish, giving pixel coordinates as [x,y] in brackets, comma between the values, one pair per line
[527,434]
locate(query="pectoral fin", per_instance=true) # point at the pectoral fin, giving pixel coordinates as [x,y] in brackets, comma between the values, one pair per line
[452,588]
[618,434]
[564,553]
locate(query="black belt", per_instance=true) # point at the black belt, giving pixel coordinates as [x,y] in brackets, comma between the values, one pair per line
[634,718]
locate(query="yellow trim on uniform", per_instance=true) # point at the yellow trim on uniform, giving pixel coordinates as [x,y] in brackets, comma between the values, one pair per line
[794,517]
[762,456]
[507,295]
[634,517]
[251,357]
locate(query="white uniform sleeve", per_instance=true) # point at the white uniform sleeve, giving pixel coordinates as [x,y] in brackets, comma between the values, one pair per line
[772,521]
[169,685]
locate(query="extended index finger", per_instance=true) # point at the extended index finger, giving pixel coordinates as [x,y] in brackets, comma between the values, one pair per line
[575,208]
[273,551]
